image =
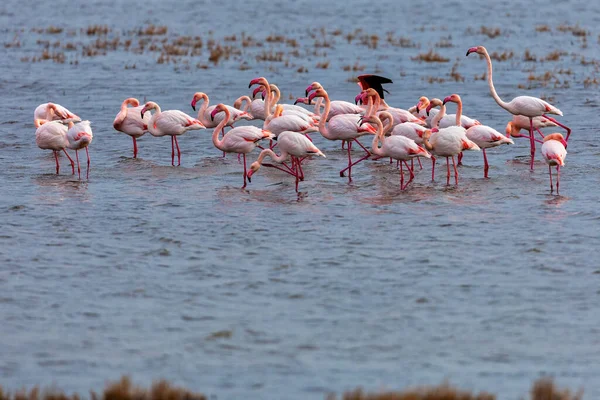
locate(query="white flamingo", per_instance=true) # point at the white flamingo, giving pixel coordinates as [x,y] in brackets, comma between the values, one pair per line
[52,135]
[54,112]
[79,137]
[130,122]
[170,123]
[554,150]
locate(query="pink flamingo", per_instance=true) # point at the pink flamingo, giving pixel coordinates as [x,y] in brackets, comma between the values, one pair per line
[411,131]
[52,135]
[80,136]
[170,123]
[292,144]
[448,120]
[240,140]
[54,112]
[129,121]
[522,105]
[342,128]
[554,151]
[484,136]
[446,142]
[520,122]
[399,148]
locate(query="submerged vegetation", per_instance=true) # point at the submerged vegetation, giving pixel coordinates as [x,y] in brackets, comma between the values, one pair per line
[124,389]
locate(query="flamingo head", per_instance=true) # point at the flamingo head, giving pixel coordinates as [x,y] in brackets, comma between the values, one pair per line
[219,108]
[317,93]
[311,87]
[422,103]
[433,103]
[254,167]
[132,101]
[476,49]
[360,97]
[556,136]
[454,98]
[39,122]
[62,115]
[302,100]
[197,97]
[147,107]
[512,130]
[258,81]
[258,89]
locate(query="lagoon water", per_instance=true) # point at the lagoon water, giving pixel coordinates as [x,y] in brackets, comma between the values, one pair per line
[177,273]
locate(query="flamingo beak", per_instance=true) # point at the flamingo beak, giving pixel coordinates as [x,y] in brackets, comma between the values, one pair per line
[564,142]
[446,100]
[194,104]
[417,107]
[143,112]
[428,109]
[472,50]
[213,113]
[312,96]
[297,101]
[249,175]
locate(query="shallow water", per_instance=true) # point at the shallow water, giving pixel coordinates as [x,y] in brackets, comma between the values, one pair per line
[172,272]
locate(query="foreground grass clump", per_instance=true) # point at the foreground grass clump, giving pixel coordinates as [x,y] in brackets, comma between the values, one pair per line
[542,389]
[121,390]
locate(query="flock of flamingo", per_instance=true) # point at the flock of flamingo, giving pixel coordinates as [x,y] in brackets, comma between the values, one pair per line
[424,130]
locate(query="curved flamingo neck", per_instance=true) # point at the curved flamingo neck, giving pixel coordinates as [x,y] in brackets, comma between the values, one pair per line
[389,121]
[459,112]
[379,136]
[497,98]
[202,110]
[270,153]
[318,105]
[243,100]
[267,99]
[438,117]
[276,94]
[215,136]
[322,127]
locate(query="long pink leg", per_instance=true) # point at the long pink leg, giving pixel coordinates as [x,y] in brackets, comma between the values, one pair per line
[244,155]
[557,177]
[71,161]
[411,176]
[527,137]
[87,173]
[78,169]
[455,172]
[551,185]
[460,156]
[343,144]
[355,162]
[288,170]
[401,177]
[295,166]
[56,158]
[134,147]
[173,150]
[419,160]
[448,170]
[391,161]
[486,166]
[299,167]
[561,125]
[540,132]
[178,152]
[531,142]
[432,168]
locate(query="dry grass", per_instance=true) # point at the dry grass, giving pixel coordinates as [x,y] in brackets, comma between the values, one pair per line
[555,55]
[490,32]
[504,56]
[576,30]
[528,56]
[543,28]
[124,389]
[430,56]
[323,65]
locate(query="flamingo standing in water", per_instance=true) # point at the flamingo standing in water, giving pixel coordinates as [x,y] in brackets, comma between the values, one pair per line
[52,135]
[80,136]
[240,140]
[397,147]
[446,142]
[54,112]
[337,106]
[527,106]
[129,121]
[342,127]
[170,123]
[484,136]
[448,120]
[519,122]
[554,151]
[291,144]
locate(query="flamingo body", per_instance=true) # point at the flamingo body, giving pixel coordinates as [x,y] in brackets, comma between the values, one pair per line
[54,112]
